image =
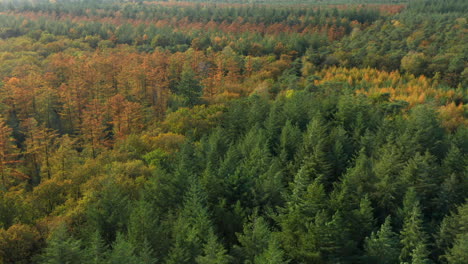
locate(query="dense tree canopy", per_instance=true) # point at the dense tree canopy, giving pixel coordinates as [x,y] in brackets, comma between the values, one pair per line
[233,131]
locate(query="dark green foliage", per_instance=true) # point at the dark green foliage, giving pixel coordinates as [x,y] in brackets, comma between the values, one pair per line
[189,87]
[122,251]
[96,249]
[62,248]
[213,252]
[110,211]
[413,237]
[272,166]
[191,227]
[457,254]
[272,255]
[383,246]
[253,240]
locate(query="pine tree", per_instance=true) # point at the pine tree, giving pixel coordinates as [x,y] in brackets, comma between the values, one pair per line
[313,156]
[360,178]
[420,255]
[289,142]
[189,87]
[143,226]
[96,249]
[383,246]
[145,253]
[213,252]
[7,152]
[387,170]
[254,239]
[109,211]
[412,235]
[191,227]
[62,248]
[422,174]
[458,253]
[122,252]
[364,220]
[272,255]
[452,239]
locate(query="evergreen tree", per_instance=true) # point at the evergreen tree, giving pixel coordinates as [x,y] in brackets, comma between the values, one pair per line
[290,140]
[423,132]
[213,252]
[383,246]
[451,238]
[422,174]
[458,253]
[109,212]
[387,169]
[97,249]
[122,252]
[62,248]
[189,87]
[191,227]
[312,156]
[253,240]
[145,253]
[359,179]
[144,228]
[412,235]
[272,255]
[420,255]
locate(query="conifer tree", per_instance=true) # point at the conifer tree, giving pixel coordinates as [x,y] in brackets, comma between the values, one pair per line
[254,239]
[213,252]
[383,246]
[412,235]
[272,255]
[97,249]
[62,248]
[191,227]
[420,255]
[122,252]
[189,87]
[458,253]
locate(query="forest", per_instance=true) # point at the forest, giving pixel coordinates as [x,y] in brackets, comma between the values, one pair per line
[233,132]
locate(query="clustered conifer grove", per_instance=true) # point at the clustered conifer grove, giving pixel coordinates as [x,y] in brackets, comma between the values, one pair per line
[233,132]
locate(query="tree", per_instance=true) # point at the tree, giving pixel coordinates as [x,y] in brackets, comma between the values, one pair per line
[19,243]
[108,211]
[422,174]
[7,155]
[62,248]
[253,240]
[146,254]
[39,147]
[122,252]
[313,157]
[420,255]
[65,157]
[414,63]
[451,238]
[213,252]
[272,255]
[92,127]
[383,246]
[145,230]
[412,235]
[191,227]
[387,170]
[96,249]
[125,115]
[457,254]
[189,87]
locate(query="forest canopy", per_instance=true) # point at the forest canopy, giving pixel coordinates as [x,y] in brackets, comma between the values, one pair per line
[221,132]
